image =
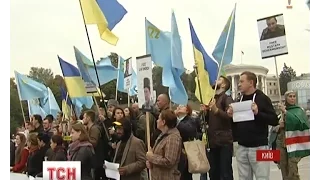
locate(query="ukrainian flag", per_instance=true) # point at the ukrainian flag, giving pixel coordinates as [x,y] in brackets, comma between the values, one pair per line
[207,69]
[93,14]
[66,103]
[73,80]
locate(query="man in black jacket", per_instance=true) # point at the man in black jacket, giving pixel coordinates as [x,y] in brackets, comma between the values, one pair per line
[253,135]
[220,132]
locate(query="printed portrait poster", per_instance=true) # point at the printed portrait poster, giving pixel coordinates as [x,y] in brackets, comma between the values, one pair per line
[272,35]
[127,73]
[144,83]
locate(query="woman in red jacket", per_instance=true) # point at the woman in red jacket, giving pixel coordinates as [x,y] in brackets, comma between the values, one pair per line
[21,154]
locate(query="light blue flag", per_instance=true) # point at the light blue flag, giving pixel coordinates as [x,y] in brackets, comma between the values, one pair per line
[29,89]
[106,71]
[226,42]
[35,108]
[176,47]
[158,44]
[113,11]
[49,104]
[80,102]
[133,90]
[177,89]
[120,79]
[165,49]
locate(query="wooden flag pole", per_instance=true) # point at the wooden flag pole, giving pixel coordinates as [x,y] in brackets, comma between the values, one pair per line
[148,137]
[128,98]
[91,51]
[278,80]
[224,52]
[24,117]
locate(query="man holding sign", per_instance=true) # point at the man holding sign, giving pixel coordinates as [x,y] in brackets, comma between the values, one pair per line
[252,134]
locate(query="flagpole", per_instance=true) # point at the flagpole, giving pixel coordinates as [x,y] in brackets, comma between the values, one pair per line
[92,56]
[224,51]
[128,98]
[24,118]
[116,98]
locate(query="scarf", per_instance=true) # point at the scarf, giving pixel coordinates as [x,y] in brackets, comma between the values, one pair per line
[75,146]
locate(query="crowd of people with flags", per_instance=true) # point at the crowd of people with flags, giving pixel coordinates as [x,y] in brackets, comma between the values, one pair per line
[118,135]
[153,144]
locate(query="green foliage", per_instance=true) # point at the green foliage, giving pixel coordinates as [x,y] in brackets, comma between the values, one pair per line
[286,75]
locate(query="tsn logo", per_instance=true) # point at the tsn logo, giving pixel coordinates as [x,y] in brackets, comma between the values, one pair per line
[61,170]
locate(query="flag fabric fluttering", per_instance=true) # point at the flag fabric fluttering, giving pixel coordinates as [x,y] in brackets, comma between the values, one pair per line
[113,11]
[165,49]
[66,103]
[93,14]
[35,108]
[158,44]
[106,71]
[49,104]
[226,42]
[120,79]
[29,89]
[133,90]
[177,66]
[73,79]
[77,103]
[207,69]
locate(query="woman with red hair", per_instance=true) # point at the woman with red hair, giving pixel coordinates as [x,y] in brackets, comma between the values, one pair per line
[188,130]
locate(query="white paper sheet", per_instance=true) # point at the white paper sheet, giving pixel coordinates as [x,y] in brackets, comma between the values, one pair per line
[112,170]
[242,111]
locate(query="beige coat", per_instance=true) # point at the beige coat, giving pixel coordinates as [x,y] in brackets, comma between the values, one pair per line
[133,158]
[166,156]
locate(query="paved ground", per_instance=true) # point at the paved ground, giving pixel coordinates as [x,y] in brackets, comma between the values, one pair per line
[275,174]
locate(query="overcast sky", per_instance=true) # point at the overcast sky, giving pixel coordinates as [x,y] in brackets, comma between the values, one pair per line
[42,29]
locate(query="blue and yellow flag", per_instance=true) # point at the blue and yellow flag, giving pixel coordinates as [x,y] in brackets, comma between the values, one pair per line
[93,15]
[226,42]
[66,103]
[29,89]
[73,80]
[113,11]
[207,69]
